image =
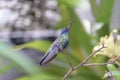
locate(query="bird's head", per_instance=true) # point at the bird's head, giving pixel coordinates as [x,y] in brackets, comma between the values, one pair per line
[67,28]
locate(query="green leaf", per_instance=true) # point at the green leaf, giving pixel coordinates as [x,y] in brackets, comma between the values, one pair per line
[113,71]
[102,11]
[115,74]
[111,67]
[19,58]
[72,3]
[38,76]
[40,45]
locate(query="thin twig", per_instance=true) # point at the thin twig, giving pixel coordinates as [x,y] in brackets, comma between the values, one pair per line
[102,64]
[68,59]
[81,64]
[84,61]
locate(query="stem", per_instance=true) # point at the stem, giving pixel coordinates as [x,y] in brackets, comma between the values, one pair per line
[81,64]
[68,59]
[84,61]
[102,64]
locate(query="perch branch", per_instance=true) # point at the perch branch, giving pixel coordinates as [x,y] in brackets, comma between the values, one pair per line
[82,63]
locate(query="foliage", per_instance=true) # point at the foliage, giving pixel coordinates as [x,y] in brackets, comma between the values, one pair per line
[113,70]
[81,45]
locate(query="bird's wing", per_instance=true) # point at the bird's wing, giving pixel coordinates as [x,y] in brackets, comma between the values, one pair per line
[50,55]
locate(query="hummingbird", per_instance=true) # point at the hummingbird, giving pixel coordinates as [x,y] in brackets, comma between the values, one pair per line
[57,46]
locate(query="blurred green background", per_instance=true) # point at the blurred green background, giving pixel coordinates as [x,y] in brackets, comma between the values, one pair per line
[92,19]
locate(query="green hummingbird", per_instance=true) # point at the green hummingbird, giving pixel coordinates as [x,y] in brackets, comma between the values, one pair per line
[58,46]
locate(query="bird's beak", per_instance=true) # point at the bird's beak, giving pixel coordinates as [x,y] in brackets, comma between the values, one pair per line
[70,24]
